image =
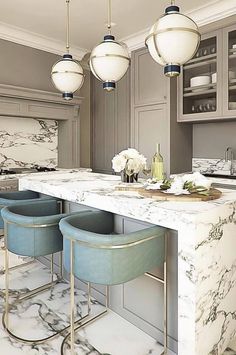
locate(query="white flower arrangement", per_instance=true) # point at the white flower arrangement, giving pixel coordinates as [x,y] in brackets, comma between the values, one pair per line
[130,161]
[182,185]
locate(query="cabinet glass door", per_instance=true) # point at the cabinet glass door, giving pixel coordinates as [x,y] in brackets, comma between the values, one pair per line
[200,80]
[232,70]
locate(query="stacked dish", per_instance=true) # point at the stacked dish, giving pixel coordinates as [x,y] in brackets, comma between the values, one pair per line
[199,81]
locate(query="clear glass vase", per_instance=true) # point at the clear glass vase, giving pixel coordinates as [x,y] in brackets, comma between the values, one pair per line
[129,178]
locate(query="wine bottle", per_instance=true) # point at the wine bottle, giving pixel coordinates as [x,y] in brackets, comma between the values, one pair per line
[157,165]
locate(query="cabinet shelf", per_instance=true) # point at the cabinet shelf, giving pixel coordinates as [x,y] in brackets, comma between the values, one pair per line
[202,93]
[207,87]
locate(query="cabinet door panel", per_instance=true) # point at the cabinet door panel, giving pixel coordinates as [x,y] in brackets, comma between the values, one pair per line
[150,84]
[150,126]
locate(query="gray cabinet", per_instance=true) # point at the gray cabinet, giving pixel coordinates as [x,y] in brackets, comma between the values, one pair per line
[154,115]
[111,122]
[216,60]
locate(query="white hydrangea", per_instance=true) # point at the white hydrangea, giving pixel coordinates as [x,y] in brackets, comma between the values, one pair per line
[118,163]
[130,160]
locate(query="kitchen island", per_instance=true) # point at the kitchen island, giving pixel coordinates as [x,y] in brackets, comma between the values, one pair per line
[206,250]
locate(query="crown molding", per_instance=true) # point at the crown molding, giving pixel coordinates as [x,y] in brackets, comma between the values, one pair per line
[34,40]
[214,11]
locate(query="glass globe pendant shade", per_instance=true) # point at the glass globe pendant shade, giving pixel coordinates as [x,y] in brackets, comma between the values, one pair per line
[173,40]
[67,76]
[109,61]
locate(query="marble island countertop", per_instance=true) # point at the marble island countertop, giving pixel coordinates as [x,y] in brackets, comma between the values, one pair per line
[98,191]
[206,250]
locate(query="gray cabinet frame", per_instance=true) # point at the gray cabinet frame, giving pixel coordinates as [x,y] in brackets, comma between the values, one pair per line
[206,116]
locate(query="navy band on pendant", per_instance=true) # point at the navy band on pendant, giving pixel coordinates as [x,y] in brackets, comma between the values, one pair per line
[172,8]
[67,56]
[67,95]
[109,38]
[172,68]
[109,85]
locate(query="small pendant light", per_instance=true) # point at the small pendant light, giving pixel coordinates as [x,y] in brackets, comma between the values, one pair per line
[109,61]
[173,40]
[67,74]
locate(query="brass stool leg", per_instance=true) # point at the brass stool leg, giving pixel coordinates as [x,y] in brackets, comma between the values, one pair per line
[6,286]
[72,300]
[73,326]
[165,297]
[165,306]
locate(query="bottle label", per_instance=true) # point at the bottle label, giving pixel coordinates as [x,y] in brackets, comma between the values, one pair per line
[157,170]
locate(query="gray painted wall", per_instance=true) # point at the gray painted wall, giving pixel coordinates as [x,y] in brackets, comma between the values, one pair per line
[210,140]
[25,66]
[30,68]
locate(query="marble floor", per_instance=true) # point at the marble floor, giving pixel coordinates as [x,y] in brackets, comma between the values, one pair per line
[48,312]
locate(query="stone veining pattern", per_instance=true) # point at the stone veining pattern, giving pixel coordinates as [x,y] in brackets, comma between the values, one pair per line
[212,166]
[206,251]
[25,142]
[43,314]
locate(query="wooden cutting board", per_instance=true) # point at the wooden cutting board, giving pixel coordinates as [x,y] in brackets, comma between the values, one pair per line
[160,196]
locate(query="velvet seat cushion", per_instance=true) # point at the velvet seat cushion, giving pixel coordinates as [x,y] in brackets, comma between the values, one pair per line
[32,228]
[104,258]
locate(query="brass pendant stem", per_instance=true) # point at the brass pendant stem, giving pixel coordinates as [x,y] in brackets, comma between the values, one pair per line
[109,17]
[67,26]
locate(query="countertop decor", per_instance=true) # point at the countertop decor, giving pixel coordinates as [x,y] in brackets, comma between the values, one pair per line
[206,250]
[129,163]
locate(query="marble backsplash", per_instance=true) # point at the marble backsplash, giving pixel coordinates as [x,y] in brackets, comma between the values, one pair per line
[216,166]
[26,141]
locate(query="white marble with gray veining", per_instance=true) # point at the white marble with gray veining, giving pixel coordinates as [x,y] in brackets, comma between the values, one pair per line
[26,141]
[212,166]
[49,311]
[206,251]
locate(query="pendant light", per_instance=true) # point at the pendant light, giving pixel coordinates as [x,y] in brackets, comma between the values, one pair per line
[67,74]
[173,40]
[109,61]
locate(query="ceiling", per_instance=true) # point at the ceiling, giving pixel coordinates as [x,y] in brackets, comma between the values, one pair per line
[88,17]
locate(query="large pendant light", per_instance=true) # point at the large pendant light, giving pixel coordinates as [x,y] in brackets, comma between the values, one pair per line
[109,61]
[173,40]
[67,74]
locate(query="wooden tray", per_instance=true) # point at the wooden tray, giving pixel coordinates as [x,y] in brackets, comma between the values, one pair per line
[160,196]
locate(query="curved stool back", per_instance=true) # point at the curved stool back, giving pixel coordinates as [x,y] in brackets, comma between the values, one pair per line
[32,229]
[12,198]
[103,258]
[95,255]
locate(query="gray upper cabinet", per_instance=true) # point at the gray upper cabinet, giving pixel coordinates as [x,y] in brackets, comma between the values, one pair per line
[229,71]
[111,122]
[153,115]
[149,83]
[207,86]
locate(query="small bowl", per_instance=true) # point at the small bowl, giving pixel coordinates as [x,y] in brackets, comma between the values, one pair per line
[200,80]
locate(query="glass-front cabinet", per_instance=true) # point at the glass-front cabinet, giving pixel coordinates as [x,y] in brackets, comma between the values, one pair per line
[207,85]
[229,71]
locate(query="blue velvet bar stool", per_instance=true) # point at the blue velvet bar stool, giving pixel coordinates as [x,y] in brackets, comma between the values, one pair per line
[94,254]
[14,197]
[31,229]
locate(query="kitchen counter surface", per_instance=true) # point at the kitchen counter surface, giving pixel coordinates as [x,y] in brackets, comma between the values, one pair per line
[58,171]
[206,250]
